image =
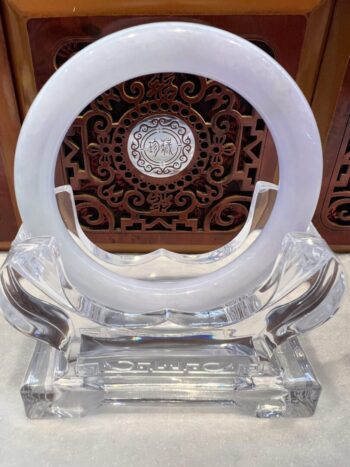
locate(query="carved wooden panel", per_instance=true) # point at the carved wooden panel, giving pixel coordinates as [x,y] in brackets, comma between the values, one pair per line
[281,34]
[9,127]
[211,194]
[204,204]
[331,105]
[41,35]
[333,214]
[8,225]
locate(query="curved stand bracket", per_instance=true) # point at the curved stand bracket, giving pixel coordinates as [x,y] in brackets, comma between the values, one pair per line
[243,353]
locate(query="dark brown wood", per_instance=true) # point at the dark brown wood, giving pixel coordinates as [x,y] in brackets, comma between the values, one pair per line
[332,217]
[8,225]
[315,12]
[42,35]
[331,106]
[9,128]
[195,208]
[207,202]
[283,34]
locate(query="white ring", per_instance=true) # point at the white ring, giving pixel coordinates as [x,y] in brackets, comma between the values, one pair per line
[156,48]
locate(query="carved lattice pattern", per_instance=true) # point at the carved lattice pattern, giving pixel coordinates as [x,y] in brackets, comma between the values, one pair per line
[213,193]
[336,213]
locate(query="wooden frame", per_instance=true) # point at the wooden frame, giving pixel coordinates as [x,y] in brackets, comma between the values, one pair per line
[331,105]
[17,13]
[9,128]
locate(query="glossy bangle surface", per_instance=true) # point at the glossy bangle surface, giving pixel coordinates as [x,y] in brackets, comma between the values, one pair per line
[170,47]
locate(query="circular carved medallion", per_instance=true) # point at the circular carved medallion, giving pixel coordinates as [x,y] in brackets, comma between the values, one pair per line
[161,146]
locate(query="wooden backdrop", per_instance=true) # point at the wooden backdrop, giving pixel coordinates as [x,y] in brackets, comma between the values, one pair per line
[206,204]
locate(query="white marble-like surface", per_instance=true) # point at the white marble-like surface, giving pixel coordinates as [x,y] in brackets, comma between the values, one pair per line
[183,438]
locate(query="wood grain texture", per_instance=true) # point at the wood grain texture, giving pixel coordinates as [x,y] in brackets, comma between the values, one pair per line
[17,13]
[211,215]
[36,30]
[9,128]
[40,8]
[331,106]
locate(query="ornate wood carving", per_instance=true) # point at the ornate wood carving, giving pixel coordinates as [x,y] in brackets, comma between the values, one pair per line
[331,105]
[336,212]
[8,225]
[211,194]
[9,128]
[205,204]
[333,213]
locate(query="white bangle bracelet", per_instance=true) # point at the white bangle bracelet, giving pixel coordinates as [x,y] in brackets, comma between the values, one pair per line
[156,48]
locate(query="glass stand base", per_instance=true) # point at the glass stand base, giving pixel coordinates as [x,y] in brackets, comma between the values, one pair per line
[125,373]
[243,354]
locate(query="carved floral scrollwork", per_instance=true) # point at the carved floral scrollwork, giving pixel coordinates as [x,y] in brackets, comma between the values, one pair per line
[230,213]
[211,194]
[336,211]
[339,210]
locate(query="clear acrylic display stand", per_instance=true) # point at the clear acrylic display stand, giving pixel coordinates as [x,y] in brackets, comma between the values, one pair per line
[244,355]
